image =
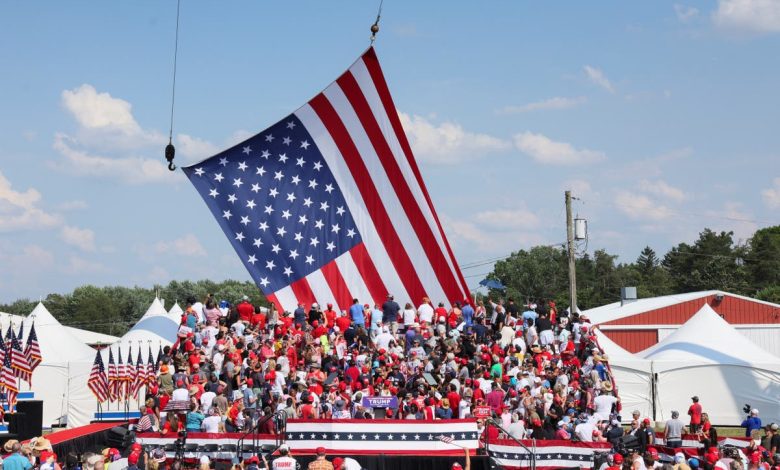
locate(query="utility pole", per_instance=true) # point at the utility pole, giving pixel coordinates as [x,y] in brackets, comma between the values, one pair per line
[570,250]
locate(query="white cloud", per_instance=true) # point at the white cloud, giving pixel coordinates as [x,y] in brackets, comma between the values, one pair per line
[752,16]
[486,238]
[78,265]
[133,169]
[732,217]
[663,189]
[448,142]
[508,218]
[20,210]
[557,102]
[76,204]
[34,255]
[78,237]
[158,275]
[188,245]
[638,206]
[547,151]
[596,76]
[95,110]
[771,195]
[193,148]
[684,12]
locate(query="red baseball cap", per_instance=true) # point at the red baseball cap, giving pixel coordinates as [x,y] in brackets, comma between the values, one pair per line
[618,459]
[320,451]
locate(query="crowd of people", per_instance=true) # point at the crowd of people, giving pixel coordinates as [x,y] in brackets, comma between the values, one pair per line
[536,371]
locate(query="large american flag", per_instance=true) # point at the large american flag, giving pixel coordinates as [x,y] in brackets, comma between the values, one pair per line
[98,382]
[328,204]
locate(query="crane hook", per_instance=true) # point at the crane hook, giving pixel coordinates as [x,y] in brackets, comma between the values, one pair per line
[170,152]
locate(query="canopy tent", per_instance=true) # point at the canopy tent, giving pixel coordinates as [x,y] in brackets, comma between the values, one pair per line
[633,378]
[175,312]
[91,338]
[154,329]
[707,357]
[60,379]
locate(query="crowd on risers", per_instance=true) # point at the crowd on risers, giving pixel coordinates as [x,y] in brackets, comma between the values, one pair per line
[535,370]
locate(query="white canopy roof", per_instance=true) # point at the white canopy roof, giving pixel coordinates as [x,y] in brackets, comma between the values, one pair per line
[57,343]
[91,337]
[707,339]
[155,327]
[175,312]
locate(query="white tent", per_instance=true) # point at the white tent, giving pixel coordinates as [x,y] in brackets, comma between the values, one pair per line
[707,357]
[155,328]
[91,338]
[60,379]
[176,312]
[633,378]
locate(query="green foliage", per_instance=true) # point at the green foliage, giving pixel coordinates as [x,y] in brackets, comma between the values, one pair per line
[115,309]
[712,262]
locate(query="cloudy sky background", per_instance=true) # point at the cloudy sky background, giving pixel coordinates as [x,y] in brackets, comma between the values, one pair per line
[661,117]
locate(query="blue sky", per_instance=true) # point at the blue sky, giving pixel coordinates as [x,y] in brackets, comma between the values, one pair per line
[662,117]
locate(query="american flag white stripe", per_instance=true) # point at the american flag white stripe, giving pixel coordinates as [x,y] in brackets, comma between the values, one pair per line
[319,285]
[407,230]
[344,178]
[368,88]
[349,270]
[286,298]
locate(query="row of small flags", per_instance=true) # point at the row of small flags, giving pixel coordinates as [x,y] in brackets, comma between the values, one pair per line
[17,363]
[123,380]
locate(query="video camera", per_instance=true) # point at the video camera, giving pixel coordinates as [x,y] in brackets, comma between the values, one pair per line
[746,409]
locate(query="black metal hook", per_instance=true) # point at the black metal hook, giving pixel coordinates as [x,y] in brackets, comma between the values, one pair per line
[170,152]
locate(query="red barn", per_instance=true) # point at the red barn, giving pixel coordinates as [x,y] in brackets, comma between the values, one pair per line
[638,324]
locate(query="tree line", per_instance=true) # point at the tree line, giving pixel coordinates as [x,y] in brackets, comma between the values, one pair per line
[713,262]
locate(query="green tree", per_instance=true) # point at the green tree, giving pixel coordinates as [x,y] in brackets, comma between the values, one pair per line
[763,259]
[712,262]
[539,273]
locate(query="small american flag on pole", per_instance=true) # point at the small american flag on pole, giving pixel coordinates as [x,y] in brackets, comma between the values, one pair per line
[129,374]
[19,361]
[151,370]
[328,204]
[112,377]
[8,381]
[32,350]
[98,382]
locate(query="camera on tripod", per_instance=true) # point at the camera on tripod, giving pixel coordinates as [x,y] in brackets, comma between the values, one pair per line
[179,445]
[747,408]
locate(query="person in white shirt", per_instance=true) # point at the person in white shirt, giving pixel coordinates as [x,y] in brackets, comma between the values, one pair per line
[584,430]
[409,315]
[207,397]
[425,310]
[603,403]
[517,428]
[212,422]
[383,339]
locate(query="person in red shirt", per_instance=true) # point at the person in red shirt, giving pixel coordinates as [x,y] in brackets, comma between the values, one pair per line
[695,413]
[245,310]
[319,329]
[453,397]
[343,323]
[258,319]
[330,316]
[440,312]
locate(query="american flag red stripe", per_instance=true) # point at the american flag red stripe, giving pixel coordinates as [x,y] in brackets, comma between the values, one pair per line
[337,284]
[386,103]
[302,291]
[98,382]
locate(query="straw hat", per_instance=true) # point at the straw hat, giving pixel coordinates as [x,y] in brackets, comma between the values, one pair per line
[39,444]
[9,445]
[606,386]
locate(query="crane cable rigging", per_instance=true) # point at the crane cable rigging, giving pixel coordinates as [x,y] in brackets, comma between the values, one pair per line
[170,150]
